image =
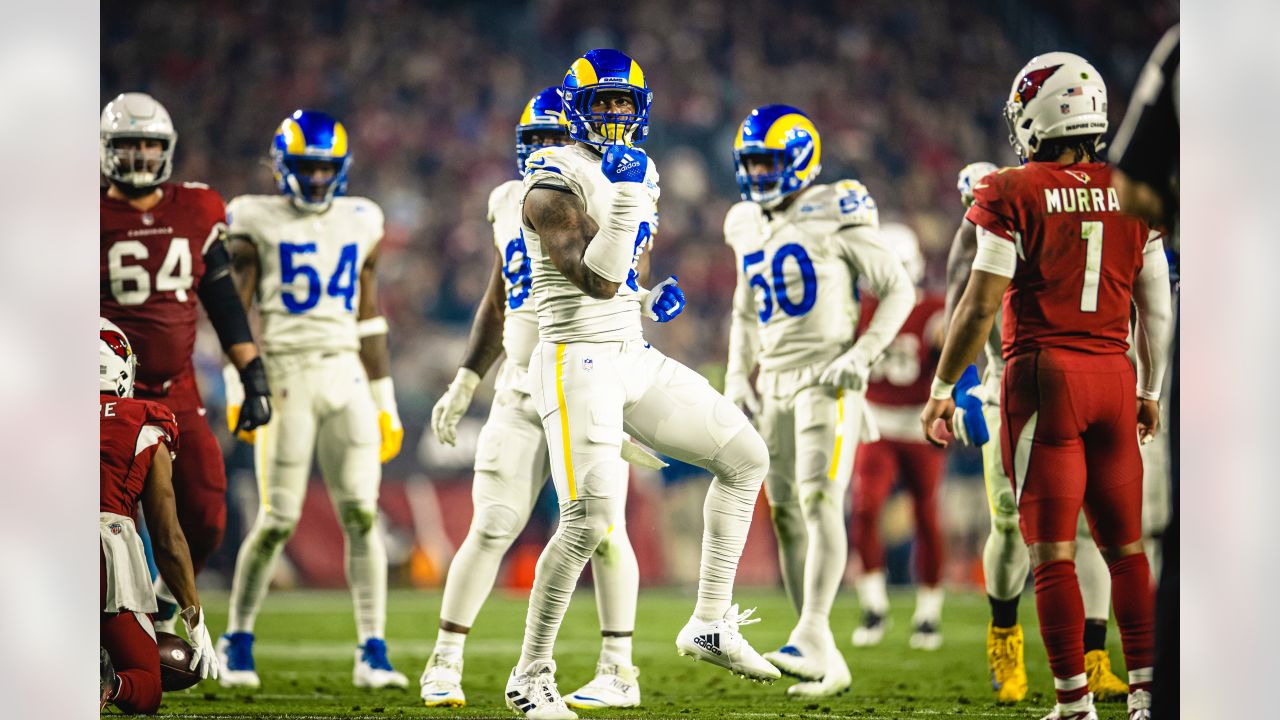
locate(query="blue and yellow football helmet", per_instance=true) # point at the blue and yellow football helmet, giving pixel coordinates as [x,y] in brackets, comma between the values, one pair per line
[310,136]
[599,71]
[784,136]
[544,113]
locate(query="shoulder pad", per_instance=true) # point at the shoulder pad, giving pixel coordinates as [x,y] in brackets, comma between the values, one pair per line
[837,205]
[745,219]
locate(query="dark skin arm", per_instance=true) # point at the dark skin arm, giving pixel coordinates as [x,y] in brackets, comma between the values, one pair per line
[968,331]
[373,348]
[562,223]
[484,344]
[964,247]
[173,557]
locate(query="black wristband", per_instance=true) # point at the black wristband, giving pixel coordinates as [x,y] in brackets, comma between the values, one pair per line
[254,378]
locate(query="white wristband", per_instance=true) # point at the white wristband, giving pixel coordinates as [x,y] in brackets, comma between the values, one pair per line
[371,326]
[1149,394]
[940,390]
[384,393]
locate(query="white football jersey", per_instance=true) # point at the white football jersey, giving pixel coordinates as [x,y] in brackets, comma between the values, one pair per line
[520,323]
[565,313]
[308,268]
[796,271]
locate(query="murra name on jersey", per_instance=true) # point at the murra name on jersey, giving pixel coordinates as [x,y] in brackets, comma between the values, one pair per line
[1081,200]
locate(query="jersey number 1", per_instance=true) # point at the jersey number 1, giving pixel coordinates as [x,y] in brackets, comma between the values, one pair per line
[1091,233]
[342,284]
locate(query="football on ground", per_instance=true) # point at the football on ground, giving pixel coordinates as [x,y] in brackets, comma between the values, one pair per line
[305,641]
[175,662]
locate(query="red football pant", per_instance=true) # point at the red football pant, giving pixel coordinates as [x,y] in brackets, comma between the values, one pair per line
[199,476]
[134,655]
[877,467]
[1070,441]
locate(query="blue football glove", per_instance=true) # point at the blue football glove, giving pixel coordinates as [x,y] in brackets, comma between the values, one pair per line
[969,422]
[665,301]
[622,164]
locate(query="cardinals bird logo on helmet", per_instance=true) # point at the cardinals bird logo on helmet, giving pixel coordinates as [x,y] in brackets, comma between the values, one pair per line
[117,365]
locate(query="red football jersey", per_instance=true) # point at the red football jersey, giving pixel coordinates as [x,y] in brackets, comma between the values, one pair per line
[1078,256]
[151,266]
[131,433]
[904,373]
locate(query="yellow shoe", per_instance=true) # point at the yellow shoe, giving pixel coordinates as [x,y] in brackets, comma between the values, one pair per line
[1103,683]
[1004,658]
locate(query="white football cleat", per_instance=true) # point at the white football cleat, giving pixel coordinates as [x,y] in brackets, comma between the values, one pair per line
[534,694]
[835,679]
[373,669]
[1081,709]
[926,636]
[1139,705]
[871,631]
[794,661]
[614,686]
[719,643]
[235,656]
[441,681]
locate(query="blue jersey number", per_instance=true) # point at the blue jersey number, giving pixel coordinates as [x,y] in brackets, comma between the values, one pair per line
[767,292]
[518,272]
[294,268]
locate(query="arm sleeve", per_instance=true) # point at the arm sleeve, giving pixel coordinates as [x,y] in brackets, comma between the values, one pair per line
[221,302]
[888,279]
[1152,332]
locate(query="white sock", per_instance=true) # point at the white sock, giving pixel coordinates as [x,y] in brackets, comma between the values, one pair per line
[1095,579]
[739,468]
[583,524]
[254,565]
[616,649]
[872,595]
[366,564]
[449,643]
[617,581]
[928,605]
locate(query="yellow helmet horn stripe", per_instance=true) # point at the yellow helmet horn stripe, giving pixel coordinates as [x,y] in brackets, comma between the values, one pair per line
[295,144]
[636,76]
[526,117]
[339,140]
[586,74]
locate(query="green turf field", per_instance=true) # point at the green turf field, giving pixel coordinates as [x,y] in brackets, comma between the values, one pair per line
[306,641]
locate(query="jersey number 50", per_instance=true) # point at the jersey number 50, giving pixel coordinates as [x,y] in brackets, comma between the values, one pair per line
[295,272]
[767,292]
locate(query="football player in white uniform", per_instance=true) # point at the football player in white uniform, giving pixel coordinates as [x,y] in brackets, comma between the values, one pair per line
[800,249]
[512,465]
[1005,562]
[309,256]
[587,216]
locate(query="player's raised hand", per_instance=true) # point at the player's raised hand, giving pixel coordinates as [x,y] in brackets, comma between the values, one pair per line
[937,409]
[665,301]
[1148,420]
[969,423]
[204,659]
[453,405]
[622,164]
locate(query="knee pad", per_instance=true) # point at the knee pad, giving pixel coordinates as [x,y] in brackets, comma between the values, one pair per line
[358,518]
[495,525]
[276,528]
[1004,512]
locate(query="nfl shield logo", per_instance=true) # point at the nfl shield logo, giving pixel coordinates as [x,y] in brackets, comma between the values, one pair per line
[586,364]
[1065,108]
[115,528]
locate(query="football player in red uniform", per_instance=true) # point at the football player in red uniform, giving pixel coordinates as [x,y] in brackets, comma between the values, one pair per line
[898,388]
[1068,266]
[161,248]
[137,439]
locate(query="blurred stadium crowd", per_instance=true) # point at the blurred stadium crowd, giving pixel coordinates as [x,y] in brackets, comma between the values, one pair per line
[431,93]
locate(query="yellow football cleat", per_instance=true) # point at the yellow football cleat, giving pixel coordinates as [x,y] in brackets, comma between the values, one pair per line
[1103,683]
[1004,658]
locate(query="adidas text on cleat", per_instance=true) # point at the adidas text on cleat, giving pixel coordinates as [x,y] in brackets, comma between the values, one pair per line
[614,686]
[534,694]
[835,679]
[1006,664]
[925,636]
[797,663]
[441,681]
[871,631]
[235,654]
[719,642]
[1103,683]
[373,669]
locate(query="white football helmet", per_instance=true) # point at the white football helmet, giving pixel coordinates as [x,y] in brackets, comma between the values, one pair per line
[1058,94]
[903,243]
[136,116]
[969,176]
[117,365]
